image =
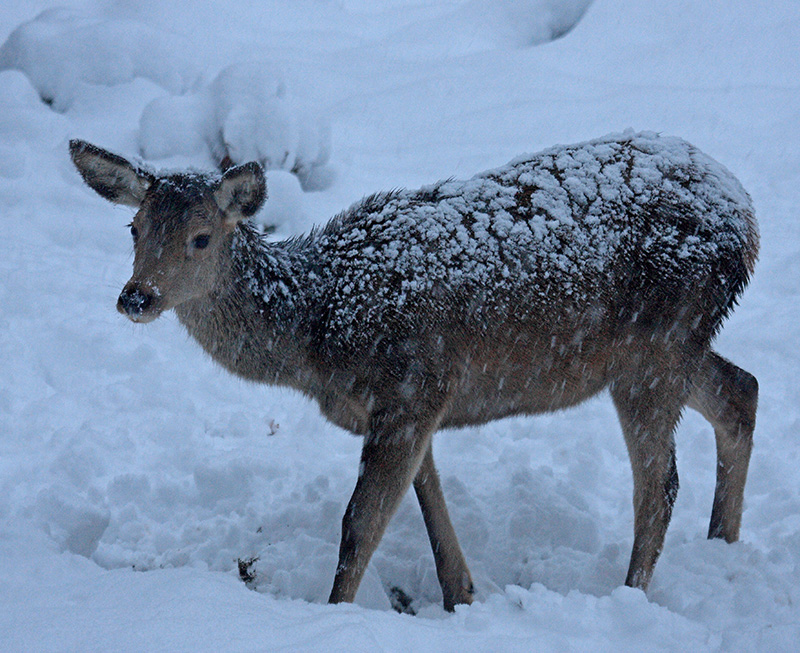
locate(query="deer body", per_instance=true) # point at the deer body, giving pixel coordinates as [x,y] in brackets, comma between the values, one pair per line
[607,264]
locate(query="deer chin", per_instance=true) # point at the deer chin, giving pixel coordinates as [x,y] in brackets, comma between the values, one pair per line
[143,318]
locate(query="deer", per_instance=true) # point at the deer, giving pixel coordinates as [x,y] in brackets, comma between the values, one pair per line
[607,265]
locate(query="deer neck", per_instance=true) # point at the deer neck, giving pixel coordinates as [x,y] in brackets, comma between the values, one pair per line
[253,322]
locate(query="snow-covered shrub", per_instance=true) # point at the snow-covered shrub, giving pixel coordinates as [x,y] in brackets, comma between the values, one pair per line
[25,125]
[176,125]
[518,23]
[469,26]
[531,22]
[61,48]
[247,113]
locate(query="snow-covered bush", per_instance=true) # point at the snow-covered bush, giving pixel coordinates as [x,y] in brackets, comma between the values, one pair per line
[247,113]
[60,49]
[469,26]
[25,125]
[530,22]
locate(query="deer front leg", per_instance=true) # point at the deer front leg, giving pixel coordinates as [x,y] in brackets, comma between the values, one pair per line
[390,458]
[451,568]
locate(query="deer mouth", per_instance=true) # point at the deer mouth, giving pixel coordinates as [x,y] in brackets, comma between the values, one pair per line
[141,318]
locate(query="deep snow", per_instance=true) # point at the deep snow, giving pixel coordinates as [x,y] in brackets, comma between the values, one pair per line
[123,449]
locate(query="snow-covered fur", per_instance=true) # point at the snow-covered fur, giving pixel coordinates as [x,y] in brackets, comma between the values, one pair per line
[606,264]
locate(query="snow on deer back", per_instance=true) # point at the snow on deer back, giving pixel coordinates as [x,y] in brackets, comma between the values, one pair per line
[569,229]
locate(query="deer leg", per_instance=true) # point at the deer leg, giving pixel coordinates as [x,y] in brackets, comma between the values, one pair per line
[649,410]
[451,568]
[727,397]
[391,455]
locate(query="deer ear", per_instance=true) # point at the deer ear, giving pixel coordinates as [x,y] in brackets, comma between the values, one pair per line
[242,191]
[111,176]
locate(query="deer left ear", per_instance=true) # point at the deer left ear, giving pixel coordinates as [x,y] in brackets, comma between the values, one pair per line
[110,175]
[241,192]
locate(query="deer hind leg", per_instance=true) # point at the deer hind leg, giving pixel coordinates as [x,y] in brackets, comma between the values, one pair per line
[649,407]
[451,568]
[727,397]
[390,457]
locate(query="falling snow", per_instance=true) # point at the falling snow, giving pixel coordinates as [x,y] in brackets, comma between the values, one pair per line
[134,474]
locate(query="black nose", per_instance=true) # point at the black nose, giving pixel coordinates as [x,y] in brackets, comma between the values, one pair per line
[134,301]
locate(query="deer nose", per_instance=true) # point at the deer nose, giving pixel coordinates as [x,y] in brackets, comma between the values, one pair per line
[134,300]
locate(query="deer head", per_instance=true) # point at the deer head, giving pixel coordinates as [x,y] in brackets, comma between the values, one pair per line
[183,227]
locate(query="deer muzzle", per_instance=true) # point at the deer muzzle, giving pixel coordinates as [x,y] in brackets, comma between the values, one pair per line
[139,302]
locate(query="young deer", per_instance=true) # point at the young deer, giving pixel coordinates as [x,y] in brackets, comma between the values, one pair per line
[607,264]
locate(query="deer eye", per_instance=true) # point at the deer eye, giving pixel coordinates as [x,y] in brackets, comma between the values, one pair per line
[201,241]
[134,232]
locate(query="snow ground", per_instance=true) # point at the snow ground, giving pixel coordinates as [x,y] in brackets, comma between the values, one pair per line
[123,449]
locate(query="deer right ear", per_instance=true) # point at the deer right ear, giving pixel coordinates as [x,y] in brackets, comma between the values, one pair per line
[110,175]
[242,191]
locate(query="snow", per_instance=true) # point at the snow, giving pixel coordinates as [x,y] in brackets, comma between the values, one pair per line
[134,473]
[577,211]
[60,50]
[247,113]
